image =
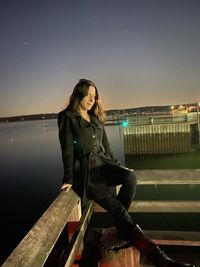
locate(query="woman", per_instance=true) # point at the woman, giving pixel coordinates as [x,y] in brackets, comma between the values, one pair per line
[91,168]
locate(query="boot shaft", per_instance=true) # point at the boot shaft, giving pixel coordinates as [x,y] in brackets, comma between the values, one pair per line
[149,249]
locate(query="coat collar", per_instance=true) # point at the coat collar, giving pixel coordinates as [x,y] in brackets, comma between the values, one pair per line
[71,113]
[83,123]
[95,121]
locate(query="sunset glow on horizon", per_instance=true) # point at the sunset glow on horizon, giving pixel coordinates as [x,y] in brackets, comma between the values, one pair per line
[138,53]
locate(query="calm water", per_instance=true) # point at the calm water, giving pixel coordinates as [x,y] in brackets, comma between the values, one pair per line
[31,173]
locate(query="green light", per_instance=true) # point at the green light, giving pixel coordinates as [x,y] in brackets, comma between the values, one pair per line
[124,124]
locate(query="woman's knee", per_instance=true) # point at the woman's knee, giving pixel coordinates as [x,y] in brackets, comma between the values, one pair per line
[131,179]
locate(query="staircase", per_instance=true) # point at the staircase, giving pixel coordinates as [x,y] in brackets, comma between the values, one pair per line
[41,247]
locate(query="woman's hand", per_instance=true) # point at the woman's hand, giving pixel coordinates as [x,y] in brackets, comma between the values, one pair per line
[66,187]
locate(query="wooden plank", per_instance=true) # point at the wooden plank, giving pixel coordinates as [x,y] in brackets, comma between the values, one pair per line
[160,206]
[178,242]
[176,238]
[76,213]
[163,177]
[125,257]
[35,248]
[165,206]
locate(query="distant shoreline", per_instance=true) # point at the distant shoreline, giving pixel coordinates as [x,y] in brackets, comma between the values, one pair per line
[112,112]
[29,117]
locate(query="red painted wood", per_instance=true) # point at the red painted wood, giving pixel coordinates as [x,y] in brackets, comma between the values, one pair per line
[122,258]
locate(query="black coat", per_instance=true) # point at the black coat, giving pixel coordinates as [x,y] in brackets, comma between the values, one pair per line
[80,141]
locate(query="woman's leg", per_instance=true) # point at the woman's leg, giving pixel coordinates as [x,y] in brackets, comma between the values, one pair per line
[116,175]
[127,230]
[128,188]
[99,192]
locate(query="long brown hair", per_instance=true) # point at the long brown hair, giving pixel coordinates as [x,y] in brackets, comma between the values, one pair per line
[80,91]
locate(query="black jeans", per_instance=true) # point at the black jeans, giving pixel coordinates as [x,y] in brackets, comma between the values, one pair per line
[104,176]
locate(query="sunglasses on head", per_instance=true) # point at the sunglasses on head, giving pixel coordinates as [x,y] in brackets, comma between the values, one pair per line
[86,81]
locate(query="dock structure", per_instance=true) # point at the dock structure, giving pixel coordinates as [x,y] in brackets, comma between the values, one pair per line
[157,139]
[39,245]
[159,134]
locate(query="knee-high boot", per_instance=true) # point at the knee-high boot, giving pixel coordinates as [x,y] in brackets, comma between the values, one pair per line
[149,249]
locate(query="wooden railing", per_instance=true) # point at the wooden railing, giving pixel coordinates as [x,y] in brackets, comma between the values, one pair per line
[37,245]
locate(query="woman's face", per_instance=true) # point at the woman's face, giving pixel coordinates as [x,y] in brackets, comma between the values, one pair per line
[87,102]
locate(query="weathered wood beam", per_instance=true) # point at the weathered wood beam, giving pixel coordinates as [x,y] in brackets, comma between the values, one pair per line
[176,238]
[125,257]
[165,206]
[36,246]
[163,177]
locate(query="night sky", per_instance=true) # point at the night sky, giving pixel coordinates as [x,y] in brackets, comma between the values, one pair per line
[138,52]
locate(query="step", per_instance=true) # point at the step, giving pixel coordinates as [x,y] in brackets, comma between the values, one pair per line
[165,206]
[167,177]
[125,257]
[158,206]
[175,238]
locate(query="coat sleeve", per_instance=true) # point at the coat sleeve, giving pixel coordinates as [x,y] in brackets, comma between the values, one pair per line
[107,148]
[66,142]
